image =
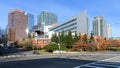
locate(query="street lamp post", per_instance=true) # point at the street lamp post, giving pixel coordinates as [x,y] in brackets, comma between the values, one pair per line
[59,49]
[36,38]
[59,46]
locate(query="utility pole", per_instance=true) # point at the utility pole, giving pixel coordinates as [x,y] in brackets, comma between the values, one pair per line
[59,45]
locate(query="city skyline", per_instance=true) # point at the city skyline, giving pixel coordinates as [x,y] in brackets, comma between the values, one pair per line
[65,10]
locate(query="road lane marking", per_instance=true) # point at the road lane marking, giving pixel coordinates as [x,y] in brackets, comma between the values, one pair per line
[13,56]
[110,58]
[105,60]
[105,65]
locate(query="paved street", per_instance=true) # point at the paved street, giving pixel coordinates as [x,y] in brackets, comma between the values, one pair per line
[113,62]
[13,51]
[25,59]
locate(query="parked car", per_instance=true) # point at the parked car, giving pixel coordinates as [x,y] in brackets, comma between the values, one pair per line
[36,52]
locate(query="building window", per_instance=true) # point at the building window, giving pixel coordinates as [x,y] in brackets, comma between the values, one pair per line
[12,19]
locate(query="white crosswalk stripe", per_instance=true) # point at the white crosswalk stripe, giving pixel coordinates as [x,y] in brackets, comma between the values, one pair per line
[23,55]
[107,63]
[13,56]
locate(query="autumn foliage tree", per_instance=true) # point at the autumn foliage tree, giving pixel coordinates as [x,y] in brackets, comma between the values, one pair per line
[100,44]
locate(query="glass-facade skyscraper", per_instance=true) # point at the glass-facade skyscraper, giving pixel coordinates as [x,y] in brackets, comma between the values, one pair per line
[1,31]
[46,18]
[30,22]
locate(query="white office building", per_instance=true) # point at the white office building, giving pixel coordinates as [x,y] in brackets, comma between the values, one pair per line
[47,33]
[109,28]
[100,27]
[77,24]
[46,29]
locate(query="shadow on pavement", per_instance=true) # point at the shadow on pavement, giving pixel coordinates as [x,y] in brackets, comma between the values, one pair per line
[8,51]
[53,63]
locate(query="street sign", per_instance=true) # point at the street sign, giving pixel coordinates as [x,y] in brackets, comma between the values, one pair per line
[53,42]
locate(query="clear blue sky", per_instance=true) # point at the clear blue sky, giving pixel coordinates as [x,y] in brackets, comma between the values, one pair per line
[65,9]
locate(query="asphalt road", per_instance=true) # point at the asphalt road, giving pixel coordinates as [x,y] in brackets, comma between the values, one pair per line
[12,51]
[78,60]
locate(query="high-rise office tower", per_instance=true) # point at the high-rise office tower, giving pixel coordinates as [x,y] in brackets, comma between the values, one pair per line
[30,19]
[1,32]
[99,27]
[109,28]
[17,25]
[6,30]
[47,18]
